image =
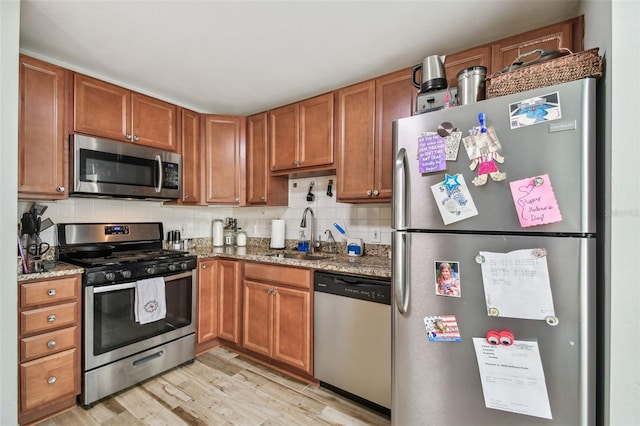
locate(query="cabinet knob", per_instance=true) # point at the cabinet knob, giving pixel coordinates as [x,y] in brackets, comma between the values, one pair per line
[376,192]
[237,199]
[135,138]
[51,318]
[51,292]
[186,197]
[369,192]
[51,344]
[60,189]
[203,266]
[262,197]
[127,136]
[51,380]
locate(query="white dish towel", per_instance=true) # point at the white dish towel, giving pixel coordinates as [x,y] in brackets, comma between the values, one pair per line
[150,300]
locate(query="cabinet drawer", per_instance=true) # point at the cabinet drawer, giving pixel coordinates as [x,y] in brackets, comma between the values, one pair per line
[48,343]
[42,292]
[49,318]
[47,379]
[296,277]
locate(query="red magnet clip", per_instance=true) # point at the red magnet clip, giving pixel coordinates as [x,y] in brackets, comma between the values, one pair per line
[504,337]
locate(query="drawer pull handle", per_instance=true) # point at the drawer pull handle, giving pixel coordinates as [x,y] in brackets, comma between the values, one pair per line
[51,380]
[51,318]
[51,344]
[51,292]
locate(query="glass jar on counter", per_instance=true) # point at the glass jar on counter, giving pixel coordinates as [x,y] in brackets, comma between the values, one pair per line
[229,237]
[241,239]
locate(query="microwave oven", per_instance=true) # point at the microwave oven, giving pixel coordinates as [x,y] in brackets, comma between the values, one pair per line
[103,167]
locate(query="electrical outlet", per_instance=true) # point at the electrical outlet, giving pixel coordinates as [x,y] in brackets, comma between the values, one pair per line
[375,235]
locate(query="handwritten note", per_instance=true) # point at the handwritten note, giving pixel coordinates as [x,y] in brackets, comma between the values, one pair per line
[516,284]
[432,154]
[512,377]
[535,201]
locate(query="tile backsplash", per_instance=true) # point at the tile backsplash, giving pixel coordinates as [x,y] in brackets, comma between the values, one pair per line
[371,222]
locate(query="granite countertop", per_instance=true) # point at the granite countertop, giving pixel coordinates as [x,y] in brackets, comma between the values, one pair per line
[376,266]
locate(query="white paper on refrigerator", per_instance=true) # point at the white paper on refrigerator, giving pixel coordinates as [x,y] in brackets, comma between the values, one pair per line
[512,377]
[516,284]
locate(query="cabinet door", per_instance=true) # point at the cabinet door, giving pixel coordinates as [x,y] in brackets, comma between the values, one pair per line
[477,56]
[229,298]
[283,137]
[41,133]
[207,323]
[154,122]
[292,327]
[101,109]
[316,131]
[355,132]
[224,159]
[395,99]
[257,317]
[257,159]
[552,37]
[190,143]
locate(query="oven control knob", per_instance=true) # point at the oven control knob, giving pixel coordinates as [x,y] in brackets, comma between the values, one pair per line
[126,273]
[110,276]
[183,266]
[172,267]
[150,269]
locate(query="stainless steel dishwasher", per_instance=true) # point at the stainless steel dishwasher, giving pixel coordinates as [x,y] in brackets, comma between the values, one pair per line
[352,337]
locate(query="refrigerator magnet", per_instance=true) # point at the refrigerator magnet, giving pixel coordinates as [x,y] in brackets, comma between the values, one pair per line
[442,328]
[535,110]
[454,199]
[431,153]
[482,149]
[447,278]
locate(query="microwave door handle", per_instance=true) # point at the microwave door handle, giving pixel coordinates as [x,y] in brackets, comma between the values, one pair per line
[159,161]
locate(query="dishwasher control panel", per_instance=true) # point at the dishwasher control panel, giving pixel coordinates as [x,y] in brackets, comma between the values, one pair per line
[357,287]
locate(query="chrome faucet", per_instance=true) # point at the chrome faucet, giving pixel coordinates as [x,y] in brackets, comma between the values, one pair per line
[303,224]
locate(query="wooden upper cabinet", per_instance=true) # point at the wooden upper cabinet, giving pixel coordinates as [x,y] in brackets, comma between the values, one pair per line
[106,110]
[42,134]
[355,132]
[301,136]
[500,54]
[316,131]
[224,159]
[366,113]
[395,99]
[262,188]
[453,64]
[190,144]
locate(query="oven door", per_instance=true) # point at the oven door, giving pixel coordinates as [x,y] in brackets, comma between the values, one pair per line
[111,332]
[106,167]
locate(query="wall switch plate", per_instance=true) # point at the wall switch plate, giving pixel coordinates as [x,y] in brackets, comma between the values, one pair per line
[375,235]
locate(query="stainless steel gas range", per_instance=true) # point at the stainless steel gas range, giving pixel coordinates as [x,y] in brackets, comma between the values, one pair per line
[119,350]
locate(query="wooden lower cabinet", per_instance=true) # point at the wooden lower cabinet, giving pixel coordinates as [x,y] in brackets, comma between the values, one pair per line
[277,314]
[49,333]
[219,303]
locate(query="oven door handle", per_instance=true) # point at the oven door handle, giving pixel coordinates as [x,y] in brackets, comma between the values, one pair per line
[132,284]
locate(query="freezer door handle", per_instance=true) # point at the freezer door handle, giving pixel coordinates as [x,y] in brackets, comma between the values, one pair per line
[399,270]
[399,216]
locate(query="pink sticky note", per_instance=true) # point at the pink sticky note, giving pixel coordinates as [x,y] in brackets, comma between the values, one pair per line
[535,201]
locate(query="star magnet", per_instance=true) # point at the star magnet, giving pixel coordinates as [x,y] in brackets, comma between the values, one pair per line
[451,181]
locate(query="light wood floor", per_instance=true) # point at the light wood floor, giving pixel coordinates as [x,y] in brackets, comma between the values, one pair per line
[222,388]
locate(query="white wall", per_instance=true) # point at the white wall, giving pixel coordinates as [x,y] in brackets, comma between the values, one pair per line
[9,39]
[361,221]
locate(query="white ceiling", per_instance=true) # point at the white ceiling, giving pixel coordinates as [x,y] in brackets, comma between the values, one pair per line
[242,57]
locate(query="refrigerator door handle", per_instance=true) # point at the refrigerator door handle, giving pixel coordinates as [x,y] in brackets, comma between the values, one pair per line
[399,216]
[399,270]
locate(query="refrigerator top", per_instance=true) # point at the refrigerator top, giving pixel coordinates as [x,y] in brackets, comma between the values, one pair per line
[531,171]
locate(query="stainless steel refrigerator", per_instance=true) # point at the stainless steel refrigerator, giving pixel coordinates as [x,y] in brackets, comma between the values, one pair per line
[511,338]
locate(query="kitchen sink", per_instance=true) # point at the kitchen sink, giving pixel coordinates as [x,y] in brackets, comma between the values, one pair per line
[300,256]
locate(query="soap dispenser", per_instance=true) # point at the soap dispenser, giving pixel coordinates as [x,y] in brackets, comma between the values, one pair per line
[303,243]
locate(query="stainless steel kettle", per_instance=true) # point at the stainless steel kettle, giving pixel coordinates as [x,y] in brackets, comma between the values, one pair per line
[432,73]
